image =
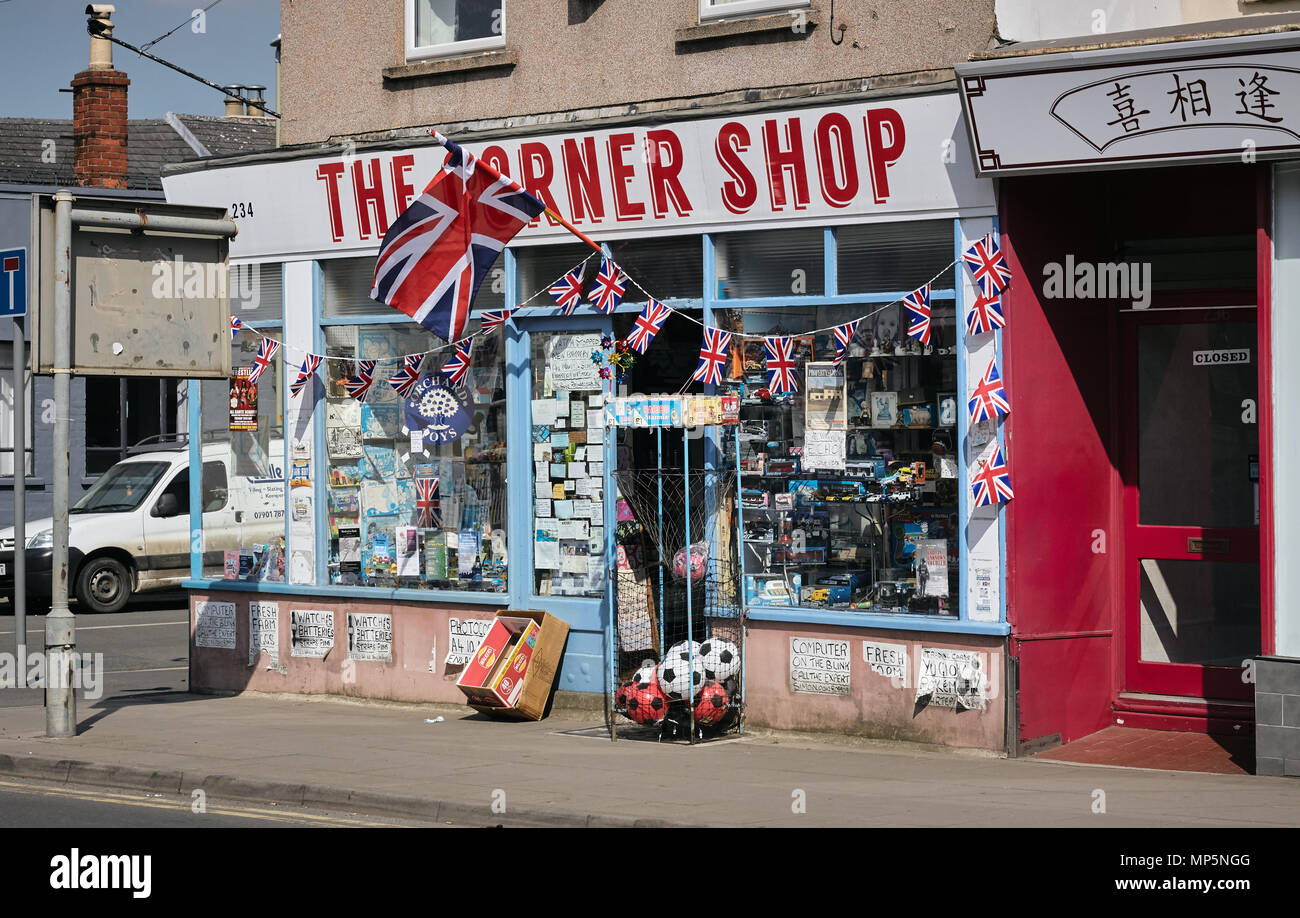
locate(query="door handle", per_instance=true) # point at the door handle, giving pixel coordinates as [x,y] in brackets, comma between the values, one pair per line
[1201,546]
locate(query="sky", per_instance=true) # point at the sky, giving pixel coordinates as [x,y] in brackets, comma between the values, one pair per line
[43,44]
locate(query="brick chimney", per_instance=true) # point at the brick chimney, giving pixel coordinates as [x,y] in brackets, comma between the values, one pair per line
[99,111]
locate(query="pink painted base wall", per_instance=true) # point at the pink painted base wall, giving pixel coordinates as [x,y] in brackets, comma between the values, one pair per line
[418,630]
[875,706]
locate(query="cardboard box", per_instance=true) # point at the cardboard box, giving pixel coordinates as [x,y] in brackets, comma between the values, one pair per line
[515,665]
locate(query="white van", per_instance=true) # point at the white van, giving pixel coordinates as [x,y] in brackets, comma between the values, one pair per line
[130,532]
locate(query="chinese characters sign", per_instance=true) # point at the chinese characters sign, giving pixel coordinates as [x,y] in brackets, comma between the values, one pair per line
[1228,108]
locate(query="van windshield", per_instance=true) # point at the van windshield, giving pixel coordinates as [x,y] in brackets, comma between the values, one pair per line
[123,487]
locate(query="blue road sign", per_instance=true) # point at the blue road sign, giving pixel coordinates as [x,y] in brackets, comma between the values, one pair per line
[13,283]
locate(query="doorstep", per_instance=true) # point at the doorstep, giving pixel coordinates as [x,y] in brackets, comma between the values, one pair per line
[1165,750]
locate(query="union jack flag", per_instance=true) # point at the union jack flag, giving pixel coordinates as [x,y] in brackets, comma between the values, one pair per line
[567,291]
[843,335]
[985,314]
[359,386]
[992,483]
[439,250]
[647,325]
[495,318]
[236,325]
[989,400]
[918,305]
[780,365]
[407,376]
[986,263]
[428,506]
[610,284]
[456,368]
[309,367]
[265,353]
[713,354]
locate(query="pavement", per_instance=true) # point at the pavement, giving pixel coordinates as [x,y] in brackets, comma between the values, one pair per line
[468,769]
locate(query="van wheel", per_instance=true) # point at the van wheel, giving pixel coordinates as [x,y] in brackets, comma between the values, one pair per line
[103,585]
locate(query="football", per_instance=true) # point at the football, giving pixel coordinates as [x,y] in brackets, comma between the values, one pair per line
[645,703]
[712,706]
[721,659]
[646,673]
[681,674]
[699,555]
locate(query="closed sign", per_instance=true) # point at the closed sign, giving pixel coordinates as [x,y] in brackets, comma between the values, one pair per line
[1219,358]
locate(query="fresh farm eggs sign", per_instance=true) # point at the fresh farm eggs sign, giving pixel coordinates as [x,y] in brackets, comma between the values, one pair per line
[899,159]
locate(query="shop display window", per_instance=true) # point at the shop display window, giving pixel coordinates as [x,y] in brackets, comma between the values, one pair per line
[420,516]
[849,485]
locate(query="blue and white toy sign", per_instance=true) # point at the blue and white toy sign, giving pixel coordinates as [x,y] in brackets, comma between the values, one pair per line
[437,411]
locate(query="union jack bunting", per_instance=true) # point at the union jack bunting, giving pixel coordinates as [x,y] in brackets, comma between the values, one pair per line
[236,325]
[918,307]
[428,506]
[647,325]
[713,354]
[985,314]
[359,386]
[989,400]
[986,263]
[439,250]
[610,284]
[992,483]
[567,291]
[309,367]
[265,353]
[780,365]
[456,368]
[407,376]
[843,335]
[494,319]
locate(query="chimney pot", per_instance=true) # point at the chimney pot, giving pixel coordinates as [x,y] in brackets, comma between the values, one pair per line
[100,28]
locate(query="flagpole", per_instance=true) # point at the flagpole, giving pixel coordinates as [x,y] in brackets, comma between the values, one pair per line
[487,167]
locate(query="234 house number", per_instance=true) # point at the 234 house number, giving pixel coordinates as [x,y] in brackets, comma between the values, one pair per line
[241,209]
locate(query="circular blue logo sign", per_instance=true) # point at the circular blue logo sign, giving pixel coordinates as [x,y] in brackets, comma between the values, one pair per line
[440,410]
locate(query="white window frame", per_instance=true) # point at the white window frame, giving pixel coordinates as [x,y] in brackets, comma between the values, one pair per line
[711,11]
[453,48]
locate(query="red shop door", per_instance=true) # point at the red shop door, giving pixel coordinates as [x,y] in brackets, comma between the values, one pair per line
[1191,502]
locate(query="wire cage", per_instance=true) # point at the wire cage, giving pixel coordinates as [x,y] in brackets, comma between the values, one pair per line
[678,654]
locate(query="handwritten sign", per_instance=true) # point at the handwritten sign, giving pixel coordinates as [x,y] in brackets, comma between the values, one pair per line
[311,632]
[370,637]
[465,636]
[569,361]
[263,630]
[889,660]
[952,679]
[819,667]
[214,625]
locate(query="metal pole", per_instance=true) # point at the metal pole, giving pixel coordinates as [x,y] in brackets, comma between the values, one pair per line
[690,623]
[20,500]
[60,626]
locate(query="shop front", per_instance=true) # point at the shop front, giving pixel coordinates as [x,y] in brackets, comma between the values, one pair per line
[1146,207]
[767,256]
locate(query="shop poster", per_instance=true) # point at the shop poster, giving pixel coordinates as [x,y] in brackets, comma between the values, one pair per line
[951,679]
[243,400]
[263,630]
[311,632]
[214,625]
[370,637]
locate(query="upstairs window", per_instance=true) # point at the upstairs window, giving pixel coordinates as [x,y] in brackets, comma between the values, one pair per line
[443,28]
[727,9]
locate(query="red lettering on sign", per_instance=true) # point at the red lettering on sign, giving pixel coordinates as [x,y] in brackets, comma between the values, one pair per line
[883,153]
[837,164]
[781,160]
[664,155]
[369,198]
[497,158]
[582,178]
[536,173]
[403,191]
[329,173]
[739,194]
[620,174]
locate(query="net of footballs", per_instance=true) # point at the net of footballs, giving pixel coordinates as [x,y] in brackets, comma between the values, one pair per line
[695,674]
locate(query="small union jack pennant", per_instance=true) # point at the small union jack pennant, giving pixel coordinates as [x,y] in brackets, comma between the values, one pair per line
[407,376]
[428,506]
[265,354]
[918,307]
[713,354]
[647,325]
[986,263]
[780,365]
[843,335]
[989,400]
[359,386]
[610,284]
[309,367]
[567,291]
[236,326]
[992,483]
[985,314]
[494,319]
[456,368]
